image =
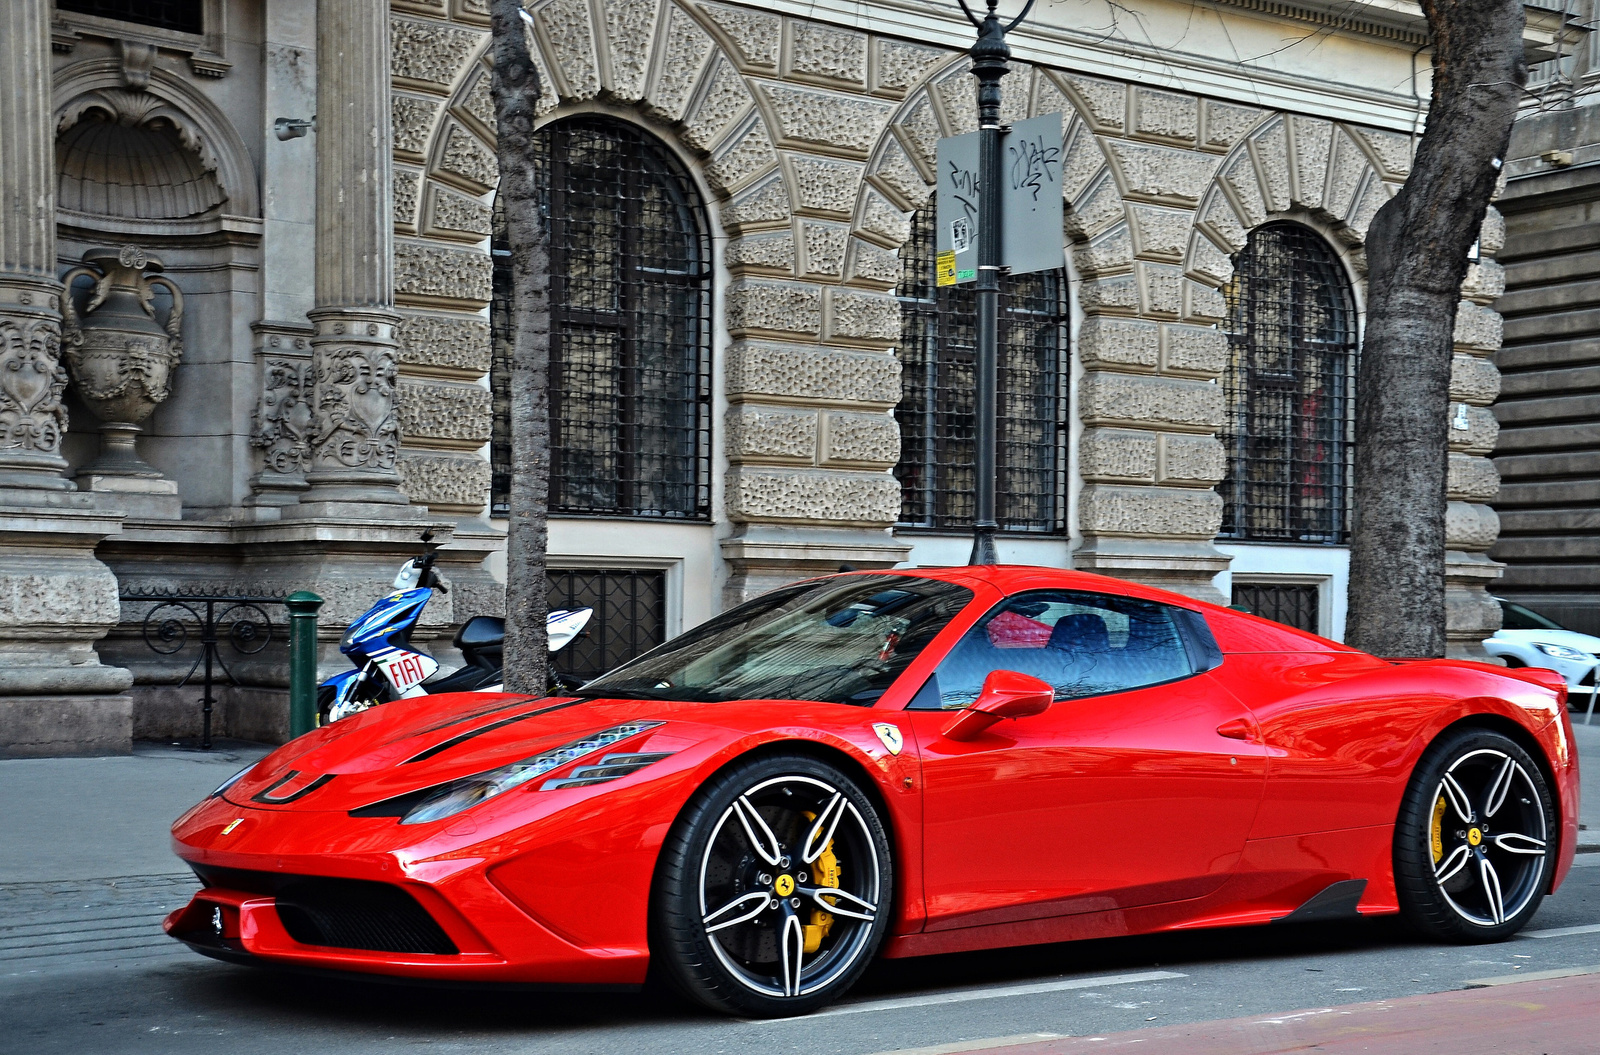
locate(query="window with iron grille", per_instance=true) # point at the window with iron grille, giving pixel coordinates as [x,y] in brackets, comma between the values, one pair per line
[1291,604]
[937,351]
[1290,387]
[630,617]
[630,328]
[182,16]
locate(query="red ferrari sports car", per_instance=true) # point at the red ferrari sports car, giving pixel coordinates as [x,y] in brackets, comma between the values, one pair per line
[893,764]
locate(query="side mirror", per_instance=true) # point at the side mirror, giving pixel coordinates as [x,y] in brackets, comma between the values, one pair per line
[1006,694]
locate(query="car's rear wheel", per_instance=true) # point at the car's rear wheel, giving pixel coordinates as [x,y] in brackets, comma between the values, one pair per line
[1475,840]
[774,888]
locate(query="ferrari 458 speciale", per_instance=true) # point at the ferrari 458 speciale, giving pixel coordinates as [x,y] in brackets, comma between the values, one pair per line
[893,764]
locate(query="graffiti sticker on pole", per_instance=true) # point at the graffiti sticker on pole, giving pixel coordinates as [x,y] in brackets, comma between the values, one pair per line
[956,210]
[1030,201]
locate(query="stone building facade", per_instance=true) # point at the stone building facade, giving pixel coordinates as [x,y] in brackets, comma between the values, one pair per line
[334,395]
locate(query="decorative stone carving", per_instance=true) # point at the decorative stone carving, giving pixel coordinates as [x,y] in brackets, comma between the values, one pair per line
[413,120]
[1470,527]
[773,252]
[1482,430]
[826,119]
[860,439]
[1345,173]
[895,172]
[445,483]
[1160,234]
[955,89]
[1239,176]
[630,28]
[1106,253]
[1162,174]
[1171,512]
[478,103]
[451,212]
[810,372]
[1208,262]
[1099,208]
[466,156]
[1201,350]
[759,493]
[765,203]
[1478,327]
[1313,145]
[746,154]
[1194,461]
[1473,478]
[898,66]
[1270,146]
[1114,295]
[1474,380]
[1081,161]
[434,272]
[447,342]
[825,246]
[1392,150]
[429,54]
[1373,195]
[1119,343]
[883,219]
[571,39]
[1485,282]
[920,129]
[1226,124]
[1202,303]
[1163,289]
[354,424]
[1163,115]
[443,412]
[1107,398]
[1492,234]
[283,419]
[723,101]
[755,34]
[822,51]
[120,356]
[32,379]
[1218,219]
[774,307]
[687,48]
[1104,103]
[871,263]
[862,316]
[825,186]
[407,185]
[1117,454]
[771,433]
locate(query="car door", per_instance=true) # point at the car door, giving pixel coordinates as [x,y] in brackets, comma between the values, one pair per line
[1122,793]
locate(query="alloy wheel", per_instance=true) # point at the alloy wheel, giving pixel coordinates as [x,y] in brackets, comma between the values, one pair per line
[1488,837]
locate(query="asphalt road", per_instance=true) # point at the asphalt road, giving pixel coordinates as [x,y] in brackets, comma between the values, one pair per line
[132,994]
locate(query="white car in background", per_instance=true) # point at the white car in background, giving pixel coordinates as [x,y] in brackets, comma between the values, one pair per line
[1528,639]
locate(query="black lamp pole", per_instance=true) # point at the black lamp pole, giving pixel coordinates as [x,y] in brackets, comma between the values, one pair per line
[990,61]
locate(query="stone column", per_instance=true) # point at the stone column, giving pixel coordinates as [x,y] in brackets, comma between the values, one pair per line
[355,435]
[56,598]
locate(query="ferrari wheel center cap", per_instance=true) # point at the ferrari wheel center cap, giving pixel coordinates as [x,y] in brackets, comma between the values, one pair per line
[784,886]
[1474,836]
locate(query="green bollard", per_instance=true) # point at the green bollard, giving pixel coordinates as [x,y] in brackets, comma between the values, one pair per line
[302,605]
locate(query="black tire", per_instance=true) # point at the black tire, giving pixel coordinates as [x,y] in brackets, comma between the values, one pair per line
[1475,843]
[783,823]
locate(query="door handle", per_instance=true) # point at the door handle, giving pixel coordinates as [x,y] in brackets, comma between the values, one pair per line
[1238,729]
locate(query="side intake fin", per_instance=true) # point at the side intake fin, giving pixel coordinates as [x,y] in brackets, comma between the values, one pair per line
[1336,901]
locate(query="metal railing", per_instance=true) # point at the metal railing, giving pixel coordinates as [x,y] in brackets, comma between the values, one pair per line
[174,621]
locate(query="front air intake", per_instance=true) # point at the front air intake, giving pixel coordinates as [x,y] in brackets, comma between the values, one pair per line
[357,914]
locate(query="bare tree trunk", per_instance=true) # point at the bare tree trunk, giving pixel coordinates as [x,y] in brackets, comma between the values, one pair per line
[515,87]
[1417,251]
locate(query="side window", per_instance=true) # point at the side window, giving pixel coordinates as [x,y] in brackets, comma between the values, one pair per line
[1084,644]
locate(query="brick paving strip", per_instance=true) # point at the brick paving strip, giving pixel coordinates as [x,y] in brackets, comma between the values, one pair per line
[66,925]
[1538,1016]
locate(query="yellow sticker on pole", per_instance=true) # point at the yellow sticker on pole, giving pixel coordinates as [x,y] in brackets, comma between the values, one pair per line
[945,268]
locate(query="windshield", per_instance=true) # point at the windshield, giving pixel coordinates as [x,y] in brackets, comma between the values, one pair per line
[838,640]
[1515,617]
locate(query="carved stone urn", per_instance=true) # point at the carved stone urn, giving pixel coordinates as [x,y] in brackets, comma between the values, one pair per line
[121,357]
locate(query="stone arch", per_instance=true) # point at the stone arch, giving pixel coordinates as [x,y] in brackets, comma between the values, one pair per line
[98,85]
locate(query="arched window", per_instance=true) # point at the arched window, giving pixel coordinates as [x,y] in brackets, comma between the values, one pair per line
[937,345]
[1290,387]
[630,327]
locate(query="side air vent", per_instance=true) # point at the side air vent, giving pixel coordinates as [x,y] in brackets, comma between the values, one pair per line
[611,767]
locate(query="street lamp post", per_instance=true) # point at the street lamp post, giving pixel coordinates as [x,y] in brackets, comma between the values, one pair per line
[990,62]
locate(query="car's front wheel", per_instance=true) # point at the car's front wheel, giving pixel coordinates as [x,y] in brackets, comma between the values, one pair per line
[1475,841]
[774,888]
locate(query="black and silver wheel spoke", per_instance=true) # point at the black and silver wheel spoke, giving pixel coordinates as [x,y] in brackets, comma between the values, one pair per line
[844,903]
[762,841]
[1489,837]
[1499,789]
[741,909]
[1458,798]
[792,952]
[822,829]
[1520,844]
[1453,863]
[1491,889]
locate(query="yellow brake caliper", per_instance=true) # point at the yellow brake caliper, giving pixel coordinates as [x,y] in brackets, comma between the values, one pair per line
[1438,830]
[825,872]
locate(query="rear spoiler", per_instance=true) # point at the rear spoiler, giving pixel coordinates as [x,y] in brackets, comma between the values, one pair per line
[1548,679]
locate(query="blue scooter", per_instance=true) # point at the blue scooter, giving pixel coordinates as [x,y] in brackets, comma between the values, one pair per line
[388,668]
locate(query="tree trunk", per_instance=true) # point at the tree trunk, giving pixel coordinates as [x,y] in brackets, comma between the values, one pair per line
[1417,251]
[515,87]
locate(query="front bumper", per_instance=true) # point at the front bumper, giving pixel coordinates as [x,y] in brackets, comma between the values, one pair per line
[470,917]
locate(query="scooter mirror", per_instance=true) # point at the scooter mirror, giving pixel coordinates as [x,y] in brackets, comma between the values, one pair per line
[409,576]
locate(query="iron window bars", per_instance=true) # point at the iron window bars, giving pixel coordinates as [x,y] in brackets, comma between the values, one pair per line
[1289,386]
[630,320]
[1293,604]
[630,617]
[937,350]
[182,16]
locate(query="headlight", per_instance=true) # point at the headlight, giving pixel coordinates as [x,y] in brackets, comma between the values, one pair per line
[231,781]
[1562,652]
[450,799]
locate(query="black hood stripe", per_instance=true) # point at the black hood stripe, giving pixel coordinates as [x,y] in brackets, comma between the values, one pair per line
[266,796]
[469,734]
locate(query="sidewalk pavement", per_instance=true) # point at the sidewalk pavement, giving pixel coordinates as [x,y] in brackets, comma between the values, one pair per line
[86,870]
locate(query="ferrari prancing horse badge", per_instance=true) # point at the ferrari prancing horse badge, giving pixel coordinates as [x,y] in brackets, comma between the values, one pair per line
[890,735]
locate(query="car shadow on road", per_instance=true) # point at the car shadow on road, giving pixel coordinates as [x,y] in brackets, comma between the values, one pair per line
[352,1001]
